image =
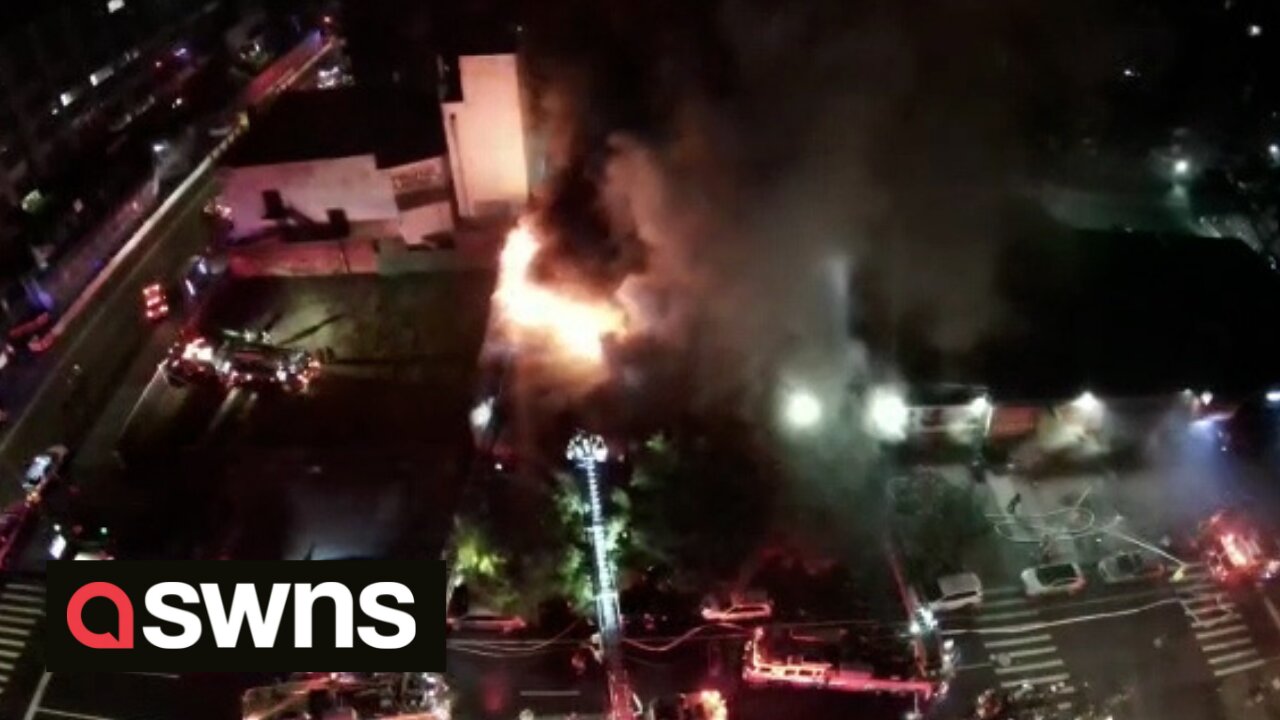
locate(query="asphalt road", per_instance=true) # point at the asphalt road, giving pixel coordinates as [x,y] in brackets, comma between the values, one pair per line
[48,403]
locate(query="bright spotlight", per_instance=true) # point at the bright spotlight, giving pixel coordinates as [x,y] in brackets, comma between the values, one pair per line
[482,414]
[1273,396]
[801,409]
[887,414]
[1181,167]
[1206,397]
[1087,402]
[979,406]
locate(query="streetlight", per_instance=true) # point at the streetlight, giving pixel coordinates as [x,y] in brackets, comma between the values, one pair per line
[482,414]
[1181,167]
[1087,402]
[801,410]
[979,406]
[887,414]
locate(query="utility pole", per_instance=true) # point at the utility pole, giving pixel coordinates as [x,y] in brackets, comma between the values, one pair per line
[588,453]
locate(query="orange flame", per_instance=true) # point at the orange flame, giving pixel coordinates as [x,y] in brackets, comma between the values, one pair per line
[576,326]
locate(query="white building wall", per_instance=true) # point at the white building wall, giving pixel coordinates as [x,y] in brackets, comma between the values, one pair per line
[353,184]
[486,135]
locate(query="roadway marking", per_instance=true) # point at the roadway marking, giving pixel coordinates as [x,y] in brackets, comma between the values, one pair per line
[1206,634]
[1219,659]
[1029,667]
[1271,611]
[25,610]
[37,696]
[1042,680]
[69,714]
[1027,653]
[1243,667]
[26,586]
[1012,642]
[1228,644]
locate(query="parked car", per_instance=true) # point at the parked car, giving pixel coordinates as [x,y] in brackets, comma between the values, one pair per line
[43,469]
[1130,566]
[1054,579]
[487,621]
[744,609]
[954,592]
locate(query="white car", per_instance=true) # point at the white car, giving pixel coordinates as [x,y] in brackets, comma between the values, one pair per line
[44,468]
[1130,566]
[738,612]
[1055,579]
[487,621]
[954,592]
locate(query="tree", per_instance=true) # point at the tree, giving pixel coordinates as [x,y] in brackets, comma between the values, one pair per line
[702,501]
[933,522]
[481,565]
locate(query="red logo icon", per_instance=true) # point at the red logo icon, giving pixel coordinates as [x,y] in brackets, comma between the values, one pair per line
[123,639]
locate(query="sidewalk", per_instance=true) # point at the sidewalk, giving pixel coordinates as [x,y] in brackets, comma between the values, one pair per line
[73,272]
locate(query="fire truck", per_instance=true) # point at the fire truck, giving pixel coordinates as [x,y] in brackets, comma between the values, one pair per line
[855,661]
[1235,550]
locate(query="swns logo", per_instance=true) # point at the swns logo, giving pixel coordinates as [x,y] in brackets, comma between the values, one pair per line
[367,615]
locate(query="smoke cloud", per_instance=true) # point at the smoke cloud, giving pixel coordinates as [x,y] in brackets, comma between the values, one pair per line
[789,189]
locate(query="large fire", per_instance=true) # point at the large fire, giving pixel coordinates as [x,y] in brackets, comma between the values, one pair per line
[527,308]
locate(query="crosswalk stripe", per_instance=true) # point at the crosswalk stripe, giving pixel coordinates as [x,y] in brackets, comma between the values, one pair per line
[20,609]
[16,620]
[1042,680]
[1029,652]
[1243,667]
[1030,667]
[1215,632]
[7,653]
[19,631]
[26,586]
[23,596]
[1208,600]
[1013,642]
[1213,620]
[5,665]
[1227,644]
[996,617]
[1064,705]
[1191,586]
[1219,659]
